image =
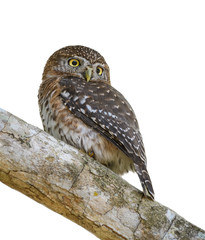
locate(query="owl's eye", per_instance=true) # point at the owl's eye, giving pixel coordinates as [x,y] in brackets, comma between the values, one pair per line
[74,62]
[99,71]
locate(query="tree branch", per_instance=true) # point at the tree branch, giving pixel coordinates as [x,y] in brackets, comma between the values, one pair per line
[72,184]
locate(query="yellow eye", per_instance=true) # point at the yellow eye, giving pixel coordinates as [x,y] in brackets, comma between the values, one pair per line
[74,62]
[99,71]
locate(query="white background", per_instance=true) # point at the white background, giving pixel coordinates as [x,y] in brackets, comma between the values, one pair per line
[156,53]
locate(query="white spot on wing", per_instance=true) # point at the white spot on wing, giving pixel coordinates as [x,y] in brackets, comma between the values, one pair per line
[112,115]
[83,100]
[65,94]
[75,98]
[93,118]
[90,109]
[126,129]
[82,110]
[116,106]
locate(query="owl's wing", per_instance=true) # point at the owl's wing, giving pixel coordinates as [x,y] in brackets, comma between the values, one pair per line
[103,108]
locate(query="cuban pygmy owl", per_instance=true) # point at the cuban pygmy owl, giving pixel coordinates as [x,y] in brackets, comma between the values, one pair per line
[79,106]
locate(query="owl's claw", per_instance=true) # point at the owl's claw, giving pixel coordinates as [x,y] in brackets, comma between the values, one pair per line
[91,154]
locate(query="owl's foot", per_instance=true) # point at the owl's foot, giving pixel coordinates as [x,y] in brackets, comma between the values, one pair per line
[91,154]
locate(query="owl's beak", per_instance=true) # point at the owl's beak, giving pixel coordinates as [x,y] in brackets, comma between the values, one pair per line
[88,73]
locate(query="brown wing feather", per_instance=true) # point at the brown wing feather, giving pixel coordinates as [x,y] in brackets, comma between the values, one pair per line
[104,109]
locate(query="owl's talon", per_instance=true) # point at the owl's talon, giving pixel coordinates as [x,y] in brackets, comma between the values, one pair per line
[91,154]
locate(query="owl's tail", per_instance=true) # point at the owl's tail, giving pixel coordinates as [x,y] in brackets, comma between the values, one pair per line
[145,180]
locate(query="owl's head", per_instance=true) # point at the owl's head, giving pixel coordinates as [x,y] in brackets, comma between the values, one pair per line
[78,61]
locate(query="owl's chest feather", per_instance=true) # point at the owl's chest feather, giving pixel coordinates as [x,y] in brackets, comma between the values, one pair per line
[62,124]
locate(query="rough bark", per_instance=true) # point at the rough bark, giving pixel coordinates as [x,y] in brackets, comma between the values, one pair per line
[74,185]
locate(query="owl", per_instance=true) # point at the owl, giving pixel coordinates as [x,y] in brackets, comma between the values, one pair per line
[79,106]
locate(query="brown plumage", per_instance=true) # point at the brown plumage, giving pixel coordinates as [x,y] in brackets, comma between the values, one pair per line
[79,106]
